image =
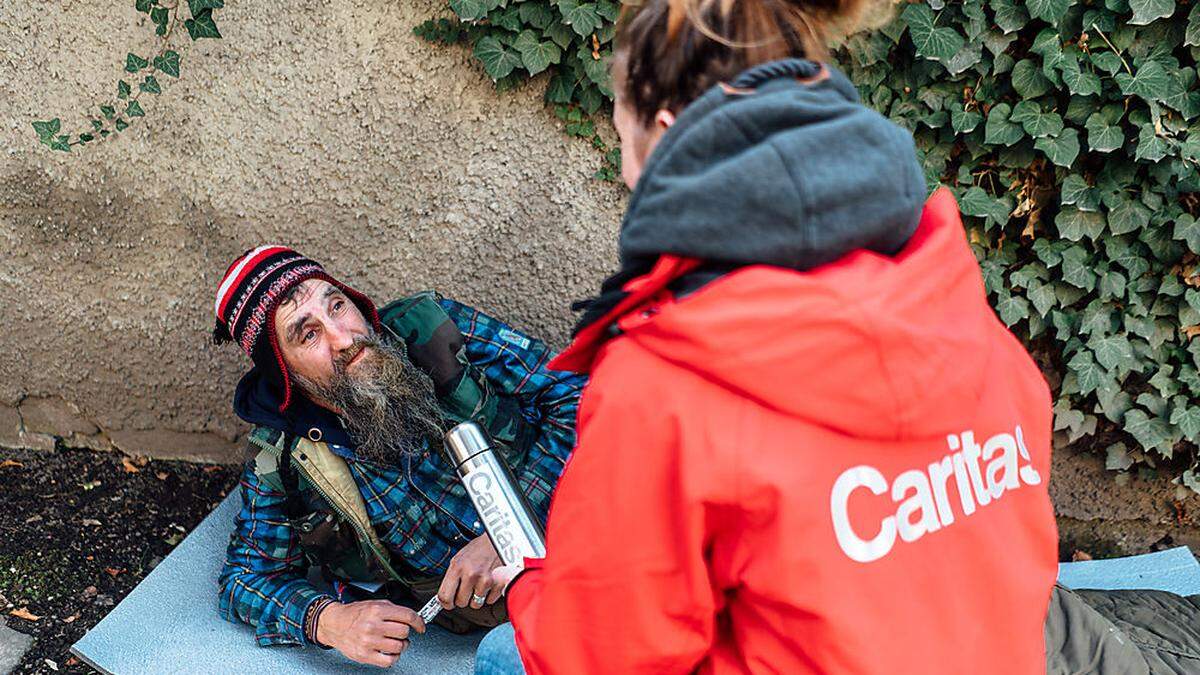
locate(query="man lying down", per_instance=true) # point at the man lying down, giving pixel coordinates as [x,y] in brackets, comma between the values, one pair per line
[346,471]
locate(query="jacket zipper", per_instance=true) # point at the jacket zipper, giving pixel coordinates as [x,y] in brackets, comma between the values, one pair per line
[363,536]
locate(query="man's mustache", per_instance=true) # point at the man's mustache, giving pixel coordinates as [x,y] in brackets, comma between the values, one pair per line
[342,360]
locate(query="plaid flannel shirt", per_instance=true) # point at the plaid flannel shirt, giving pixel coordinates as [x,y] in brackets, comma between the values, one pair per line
[420,510]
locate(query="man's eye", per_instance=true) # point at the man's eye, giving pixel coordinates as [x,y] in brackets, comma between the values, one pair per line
[309,335]
[337,306]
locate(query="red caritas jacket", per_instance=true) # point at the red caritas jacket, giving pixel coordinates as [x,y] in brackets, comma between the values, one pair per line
[835,471]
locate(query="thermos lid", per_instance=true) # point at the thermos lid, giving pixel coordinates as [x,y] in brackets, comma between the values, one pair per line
[465,441]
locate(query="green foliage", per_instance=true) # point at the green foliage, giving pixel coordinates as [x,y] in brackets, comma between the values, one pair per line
[567,42]
[1072,140]
[165,18]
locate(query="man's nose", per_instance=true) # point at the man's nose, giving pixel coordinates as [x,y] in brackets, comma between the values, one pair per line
[340,339]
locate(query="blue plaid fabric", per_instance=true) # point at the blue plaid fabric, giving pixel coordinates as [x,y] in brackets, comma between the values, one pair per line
[420,510]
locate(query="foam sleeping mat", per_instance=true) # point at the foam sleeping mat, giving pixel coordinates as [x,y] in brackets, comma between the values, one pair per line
[169,623]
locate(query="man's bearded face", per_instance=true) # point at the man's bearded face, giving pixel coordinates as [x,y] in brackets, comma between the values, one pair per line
[389,405]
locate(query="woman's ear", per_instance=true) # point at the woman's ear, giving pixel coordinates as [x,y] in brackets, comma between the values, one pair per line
[663,119]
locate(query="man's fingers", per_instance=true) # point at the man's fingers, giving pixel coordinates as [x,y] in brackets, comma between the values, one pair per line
[402,615]
[448,589]
[482,589]
[466,586]
[495,594]
[389,645]
[374,658]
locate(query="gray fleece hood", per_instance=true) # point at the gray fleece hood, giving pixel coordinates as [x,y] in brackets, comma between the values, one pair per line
[791,175]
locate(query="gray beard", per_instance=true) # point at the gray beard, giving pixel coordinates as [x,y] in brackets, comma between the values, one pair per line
[388,404]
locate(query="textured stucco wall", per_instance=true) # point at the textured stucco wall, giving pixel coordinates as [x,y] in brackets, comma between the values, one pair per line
[323,124]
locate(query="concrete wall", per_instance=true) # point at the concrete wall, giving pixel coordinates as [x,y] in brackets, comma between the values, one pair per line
[323,124]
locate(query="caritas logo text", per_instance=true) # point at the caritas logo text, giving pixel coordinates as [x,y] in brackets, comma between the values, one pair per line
[921,498]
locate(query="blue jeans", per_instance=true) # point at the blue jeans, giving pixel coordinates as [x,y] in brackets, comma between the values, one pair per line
[497,653]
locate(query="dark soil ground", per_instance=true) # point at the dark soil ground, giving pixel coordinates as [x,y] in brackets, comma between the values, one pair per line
[79,529]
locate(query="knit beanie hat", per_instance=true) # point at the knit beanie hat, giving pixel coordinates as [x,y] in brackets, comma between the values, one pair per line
[248,296]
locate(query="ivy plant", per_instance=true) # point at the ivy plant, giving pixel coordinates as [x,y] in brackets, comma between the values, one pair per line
[141,73]
[568,40]
[1070,132]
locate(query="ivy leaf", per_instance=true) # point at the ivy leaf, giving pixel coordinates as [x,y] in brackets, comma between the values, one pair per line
[1128,216]
[536,14]
[1151,432]
[1062,149]
[1049,11]
[560,89]
[85,138]
[160,17]
[498,60]
[999,130]
[1149,82]
[1012,308]
[202,26]
[1187,418]
[97,125]
[608,9]
[1089,374]
[964,121]
[123,89]
[134,110]
[561,33]
[509,19]
[1028,80]
[470,10]
[1043,298]
[1077,269]
[108,111]
[536,55]
[47,130]
[976,202]
[1074,225]
[168,63]
[1191,36]
[143,6]
[938,44]
[581,17]
[1037,123]
[1187,229]
[197,6]
[1145,11]
[134,63]
[122,125]
[1102,135]
[1150,147]
[1009,15]
[150,85]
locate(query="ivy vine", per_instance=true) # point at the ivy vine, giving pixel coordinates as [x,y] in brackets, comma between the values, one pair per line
[115,115]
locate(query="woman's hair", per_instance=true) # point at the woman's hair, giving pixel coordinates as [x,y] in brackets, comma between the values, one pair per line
[668,52]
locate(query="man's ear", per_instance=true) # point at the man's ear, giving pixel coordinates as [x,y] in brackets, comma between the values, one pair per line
[663,119]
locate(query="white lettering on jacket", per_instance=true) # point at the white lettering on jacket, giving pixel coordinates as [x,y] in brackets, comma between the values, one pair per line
[923,503]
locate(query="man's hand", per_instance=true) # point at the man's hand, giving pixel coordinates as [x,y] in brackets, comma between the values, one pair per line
[470,574]
[374,632]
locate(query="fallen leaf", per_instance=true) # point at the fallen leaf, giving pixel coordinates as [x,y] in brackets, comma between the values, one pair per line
[161,475]
[173,539]
[10,462]
[129,465]
[91,522]
[23,613]
[33,519]
[1079,556]
[72,662]
[53,666]
[90,592]
[114,572]
[212,468]
[1191,331]
[71,619]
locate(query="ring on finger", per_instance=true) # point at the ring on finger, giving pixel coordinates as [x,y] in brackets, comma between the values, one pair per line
[478,600]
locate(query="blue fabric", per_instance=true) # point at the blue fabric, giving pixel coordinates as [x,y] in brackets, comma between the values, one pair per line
[497,653]
[419,510]
[1175,570]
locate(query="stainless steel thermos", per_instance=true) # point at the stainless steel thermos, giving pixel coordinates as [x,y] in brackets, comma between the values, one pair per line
[505,514]
[509,521]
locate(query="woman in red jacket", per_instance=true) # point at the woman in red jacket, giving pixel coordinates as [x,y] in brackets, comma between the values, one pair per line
[808,445]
